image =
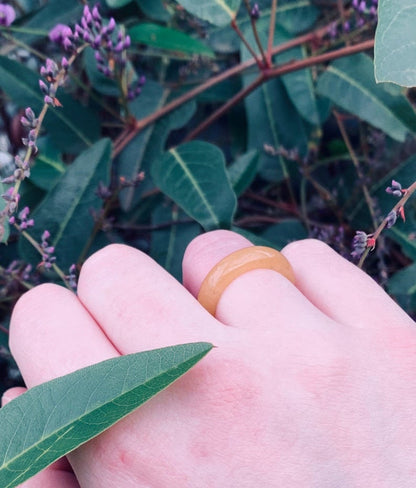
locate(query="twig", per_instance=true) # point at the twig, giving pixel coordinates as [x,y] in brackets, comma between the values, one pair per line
[271,33]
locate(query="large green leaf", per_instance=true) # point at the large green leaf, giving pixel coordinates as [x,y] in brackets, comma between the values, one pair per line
[48,167]
[272,119]
[71,126]
[242,171]
[394,53]
[349,82]
[171,236]
[150,142]
[218,12]
[66,210]
[154,9]
[168,39]
[52,419]
[194,176]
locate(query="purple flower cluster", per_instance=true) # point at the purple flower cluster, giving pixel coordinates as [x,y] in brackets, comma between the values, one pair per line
[23,217]
[360,243]
[51,71]
[395,189]
[362,12]
[47,251]
[255,12]
[7,14]
[109,43]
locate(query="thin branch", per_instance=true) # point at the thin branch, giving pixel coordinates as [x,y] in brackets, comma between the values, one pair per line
[275,72]
[271,33]
[234,25]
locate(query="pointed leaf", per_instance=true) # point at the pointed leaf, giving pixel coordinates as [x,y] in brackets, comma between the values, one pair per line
[218,12]
[48,167]
[71,126]
[349,82]
[52,419]
[168,39]
[169,242]
[394,52]
[154,9]
[194,176]
[66,210]
[243,171]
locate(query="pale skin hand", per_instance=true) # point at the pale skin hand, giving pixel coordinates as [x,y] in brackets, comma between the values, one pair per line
[308,387]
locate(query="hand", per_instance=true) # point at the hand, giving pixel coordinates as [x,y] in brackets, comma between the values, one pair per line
[308,386]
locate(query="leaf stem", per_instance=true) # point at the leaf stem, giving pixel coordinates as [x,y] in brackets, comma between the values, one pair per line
[271,33]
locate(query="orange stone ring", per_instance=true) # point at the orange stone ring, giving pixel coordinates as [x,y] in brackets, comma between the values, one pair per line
[236,264]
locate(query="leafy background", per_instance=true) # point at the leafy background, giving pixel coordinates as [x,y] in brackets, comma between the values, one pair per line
[305,149]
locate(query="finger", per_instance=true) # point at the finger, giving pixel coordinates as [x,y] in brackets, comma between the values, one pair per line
[51,334]
[257,297]
[340,289]
[139,305]
[58,474]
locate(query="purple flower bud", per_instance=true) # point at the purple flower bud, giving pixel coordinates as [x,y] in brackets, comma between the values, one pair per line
[7,15]
[142,80]
[25,122]
[59,33]
[391,219]
[119,47]
[97,41]
[12,220]
[46,234]
[48,100]
[64,63]
[43,87]
[255,12]
[127,42]
[362,7]
[95,13]
[78,29]
[86,37]
[111,25]
[67,44]
[30,114]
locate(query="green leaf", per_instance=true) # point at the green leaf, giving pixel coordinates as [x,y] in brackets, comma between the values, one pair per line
[48,167]
[194,176]
[272,120]
[218,12]
[404,239]
[403,282]
[394,52]
[66,210]
[284,232]
[117,3]
[6,232]
[54,418]
[154,9]
[169,242]
[71,126]
[349,82]
[149,143]
[242,171]
[168,39]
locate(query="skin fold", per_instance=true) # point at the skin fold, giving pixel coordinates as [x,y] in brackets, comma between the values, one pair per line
[308,386]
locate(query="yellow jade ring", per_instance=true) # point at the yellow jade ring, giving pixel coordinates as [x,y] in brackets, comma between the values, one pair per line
[236,264]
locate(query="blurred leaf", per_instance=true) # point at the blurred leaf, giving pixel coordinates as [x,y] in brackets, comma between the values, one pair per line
[404,239]
[299,84]
[117,3]
[296,15]
[218,12]
[194,176]
[394,52]
[168,39]
[272,120]
[253,238]
[66,210]
[149,143]
[54,418]
[349,82]
[5,236]
[154,9]
[48,167]
[403,282]
[71,126]
[242,171]
[169,242]
[51,13]
[284,232]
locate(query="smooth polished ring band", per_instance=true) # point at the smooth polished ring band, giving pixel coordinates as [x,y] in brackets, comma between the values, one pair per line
[234,265]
